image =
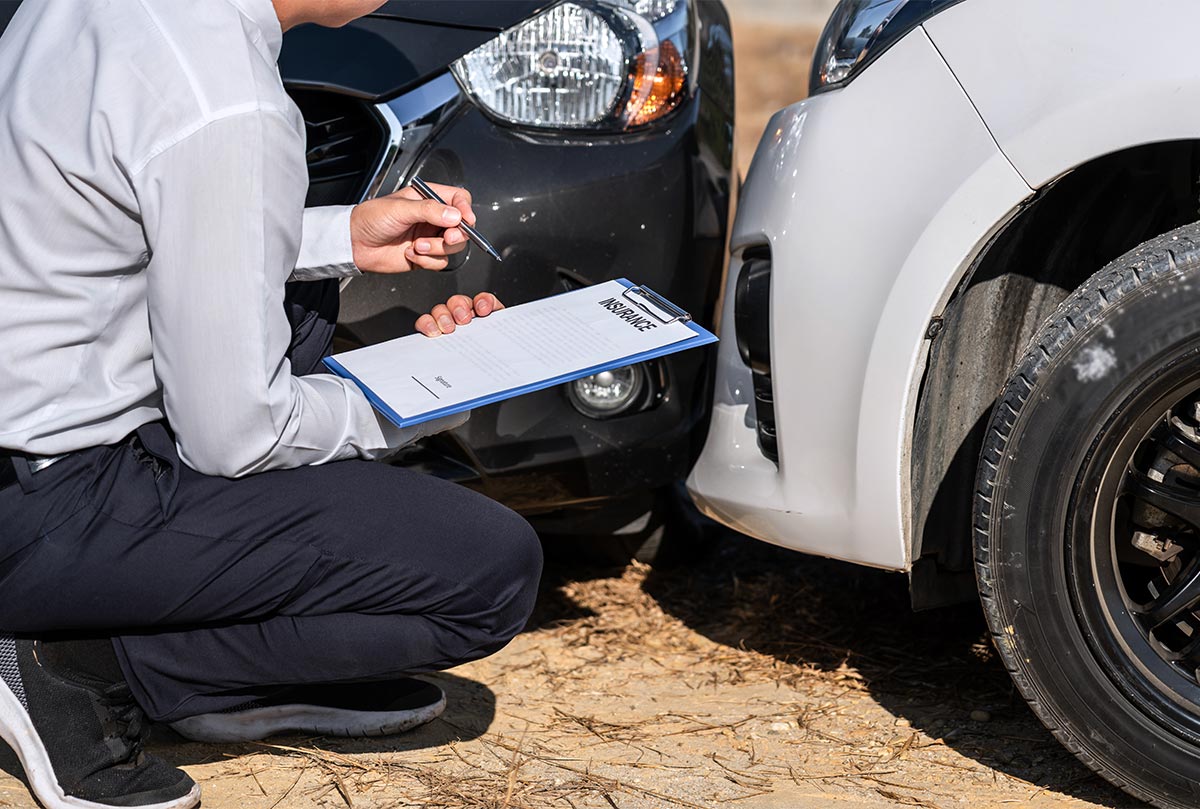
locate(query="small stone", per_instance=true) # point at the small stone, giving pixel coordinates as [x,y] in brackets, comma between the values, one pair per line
[779,727]
[980,716]
[903,722]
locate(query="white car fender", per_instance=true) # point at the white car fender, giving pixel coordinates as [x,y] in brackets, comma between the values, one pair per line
[1095,76]
[874,200]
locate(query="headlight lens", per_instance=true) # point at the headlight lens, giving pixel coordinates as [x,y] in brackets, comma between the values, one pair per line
[859,31]
[653,10]
[576,66]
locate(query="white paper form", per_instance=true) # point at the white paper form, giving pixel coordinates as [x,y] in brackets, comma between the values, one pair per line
[512,351]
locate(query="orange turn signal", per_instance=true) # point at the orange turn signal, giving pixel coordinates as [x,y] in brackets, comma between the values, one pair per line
[654,95]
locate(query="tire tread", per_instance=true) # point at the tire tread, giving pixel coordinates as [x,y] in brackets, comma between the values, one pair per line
[1155,260]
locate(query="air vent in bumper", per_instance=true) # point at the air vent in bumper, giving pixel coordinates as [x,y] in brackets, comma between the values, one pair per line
[345,141]
[752,323]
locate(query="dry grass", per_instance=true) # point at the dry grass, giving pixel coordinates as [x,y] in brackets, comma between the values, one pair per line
[755,675]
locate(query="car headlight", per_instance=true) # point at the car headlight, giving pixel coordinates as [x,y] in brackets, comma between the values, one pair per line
[596,65]
[859,31]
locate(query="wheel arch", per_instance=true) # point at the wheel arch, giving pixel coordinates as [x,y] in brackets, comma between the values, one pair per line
[1056,240]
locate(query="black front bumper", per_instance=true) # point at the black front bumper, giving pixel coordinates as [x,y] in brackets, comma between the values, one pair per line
[568,211]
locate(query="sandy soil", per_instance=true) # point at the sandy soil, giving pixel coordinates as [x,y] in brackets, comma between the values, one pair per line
[755,678]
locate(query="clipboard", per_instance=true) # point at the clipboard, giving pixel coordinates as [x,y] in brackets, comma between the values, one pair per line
[628,316]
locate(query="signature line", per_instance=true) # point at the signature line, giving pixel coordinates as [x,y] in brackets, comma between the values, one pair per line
[422,384]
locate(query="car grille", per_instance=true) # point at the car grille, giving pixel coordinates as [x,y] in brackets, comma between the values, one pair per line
[345,141]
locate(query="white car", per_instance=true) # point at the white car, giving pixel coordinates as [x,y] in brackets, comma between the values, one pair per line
[962,340]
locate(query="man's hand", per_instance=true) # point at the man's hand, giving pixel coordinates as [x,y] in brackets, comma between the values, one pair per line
[403,231]
[459,310]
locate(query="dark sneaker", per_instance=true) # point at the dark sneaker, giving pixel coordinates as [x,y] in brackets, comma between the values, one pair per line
[350,709]
[79,736]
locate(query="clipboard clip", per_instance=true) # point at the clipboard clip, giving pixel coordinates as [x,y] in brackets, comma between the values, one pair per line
[644,298]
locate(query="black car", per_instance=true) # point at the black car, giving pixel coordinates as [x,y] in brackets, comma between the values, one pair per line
[596,137]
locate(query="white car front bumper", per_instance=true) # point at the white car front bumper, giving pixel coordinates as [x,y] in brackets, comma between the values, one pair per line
[873,199]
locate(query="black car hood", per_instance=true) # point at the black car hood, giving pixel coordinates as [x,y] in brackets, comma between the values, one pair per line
[398,47]
[403,44]
[493,15]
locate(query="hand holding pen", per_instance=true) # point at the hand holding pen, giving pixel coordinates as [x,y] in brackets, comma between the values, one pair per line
[408,230]
[427,191]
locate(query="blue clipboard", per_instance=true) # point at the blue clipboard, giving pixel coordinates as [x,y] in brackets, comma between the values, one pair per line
[641,296]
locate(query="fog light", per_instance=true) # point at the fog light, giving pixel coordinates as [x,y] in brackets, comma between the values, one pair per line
[608,393]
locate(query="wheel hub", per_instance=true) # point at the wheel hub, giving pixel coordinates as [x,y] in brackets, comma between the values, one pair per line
[1161,577]
[1133,553]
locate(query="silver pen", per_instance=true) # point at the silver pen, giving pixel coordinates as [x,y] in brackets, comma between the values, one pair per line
[474,235]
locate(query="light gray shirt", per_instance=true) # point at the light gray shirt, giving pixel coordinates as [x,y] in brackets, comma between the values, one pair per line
[151,209]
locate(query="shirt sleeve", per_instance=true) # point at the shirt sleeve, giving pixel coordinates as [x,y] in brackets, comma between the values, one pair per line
[222,209]
[325,248]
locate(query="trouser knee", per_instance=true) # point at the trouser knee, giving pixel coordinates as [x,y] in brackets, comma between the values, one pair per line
[514,573]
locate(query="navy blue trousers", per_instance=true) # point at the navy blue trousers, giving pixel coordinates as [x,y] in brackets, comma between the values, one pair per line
[218,591]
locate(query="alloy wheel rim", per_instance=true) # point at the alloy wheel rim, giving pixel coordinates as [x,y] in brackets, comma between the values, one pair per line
[1133,547]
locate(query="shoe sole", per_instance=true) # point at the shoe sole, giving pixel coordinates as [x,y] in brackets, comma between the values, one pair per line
[17,729]
[257,724]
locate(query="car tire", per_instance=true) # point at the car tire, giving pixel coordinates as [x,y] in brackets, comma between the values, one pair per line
[1087,546]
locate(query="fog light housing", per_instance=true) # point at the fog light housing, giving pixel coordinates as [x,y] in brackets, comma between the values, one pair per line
[608,393]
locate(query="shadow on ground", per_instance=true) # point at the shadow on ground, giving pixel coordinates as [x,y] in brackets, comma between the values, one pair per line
[471,707]
[933,668]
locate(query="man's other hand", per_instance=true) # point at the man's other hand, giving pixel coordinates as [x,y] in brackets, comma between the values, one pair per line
[403,231]
[458,311]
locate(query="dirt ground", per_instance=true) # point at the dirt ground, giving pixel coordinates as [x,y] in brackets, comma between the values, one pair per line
[753,678]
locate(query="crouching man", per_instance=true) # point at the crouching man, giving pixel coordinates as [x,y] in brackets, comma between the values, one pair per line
[193,527]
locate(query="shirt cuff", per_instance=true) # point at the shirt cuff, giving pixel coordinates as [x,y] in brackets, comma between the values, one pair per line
[397,438]
[325,247]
